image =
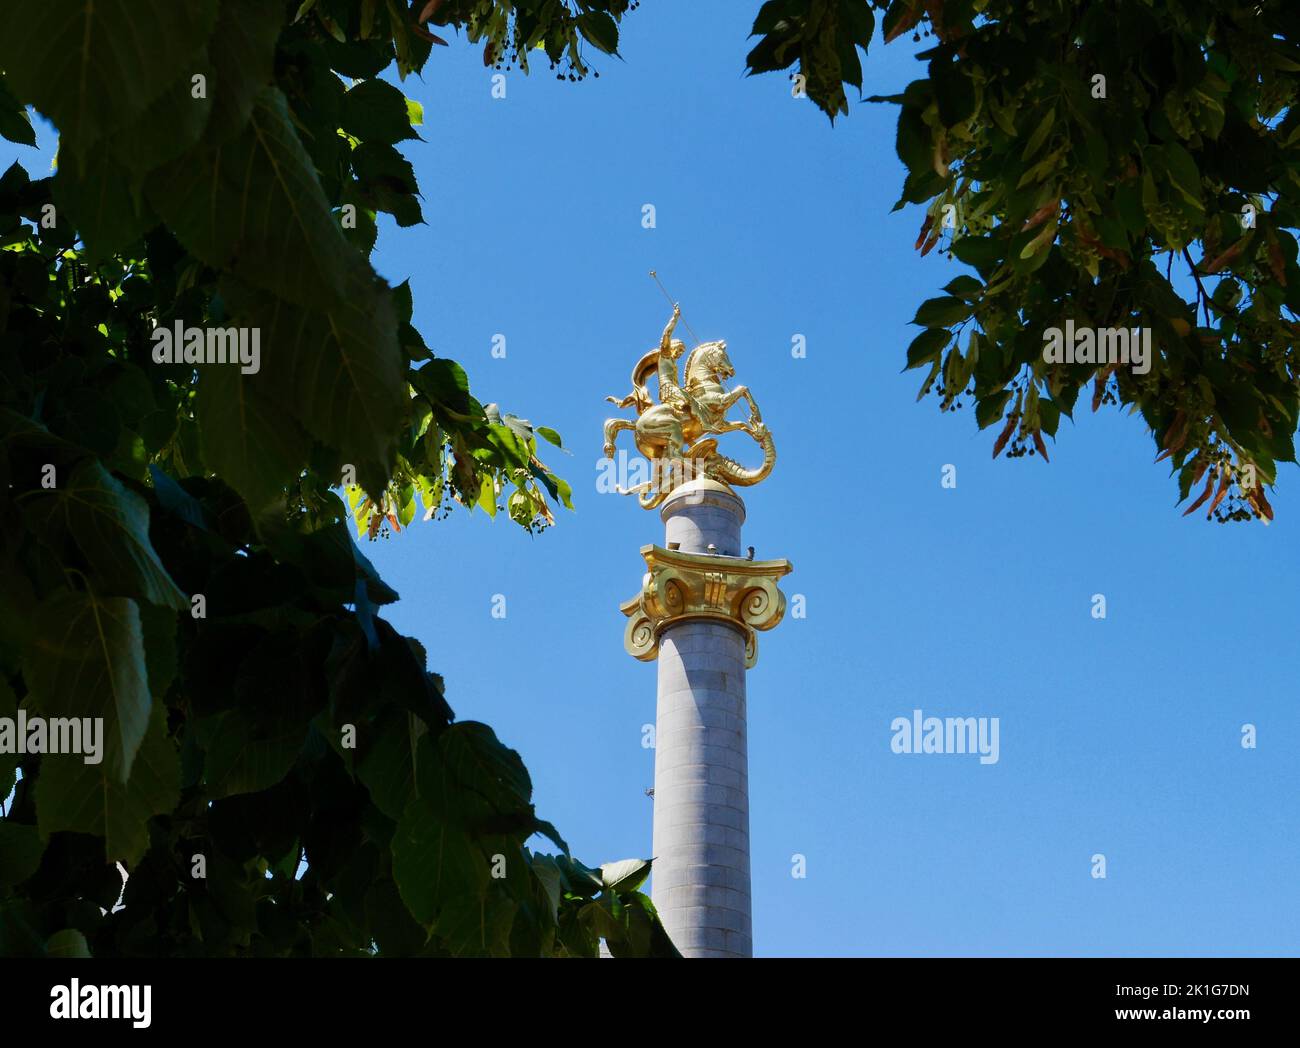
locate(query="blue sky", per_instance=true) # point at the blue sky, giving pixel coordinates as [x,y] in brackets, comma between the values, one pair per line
[1118,736]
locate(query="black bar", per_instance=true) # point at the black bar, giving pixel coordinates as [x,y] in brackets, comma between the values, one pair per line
[375,999]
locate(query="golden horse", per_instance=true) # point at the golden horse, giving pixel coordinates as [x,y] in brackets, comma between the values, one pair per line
[670,432]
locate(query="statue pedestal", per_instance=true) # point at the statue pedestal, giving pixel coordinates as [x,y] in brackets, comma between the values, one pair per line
[697,614]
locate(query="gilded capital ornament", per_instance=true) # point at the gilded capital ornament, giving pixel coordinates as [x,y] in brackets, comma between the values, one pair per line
[679,587]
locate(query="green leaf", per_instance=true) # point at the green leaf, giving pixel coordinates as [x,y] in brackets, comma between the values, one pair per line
[858,22]
[404,207]
[599,29]
[549,434]
[772,14]
[343,364]
[1065,399]
[981,252]
[257,204]
[625,876]
[604,919]
[644,936]
[912,142]
[242,53]
[15,121]
[1185,478]
[434,862]
[142,145]
[565,490]
[954,92]
[1129,206]
[1039,172]
[1003,116]
[387,764]
[375,111]
[85,798]
[1039,136]
[545,870]
[1049,417]
[87,660]
[775,51]
[445,383]
[93,66]
[522,429]
[377,163]
[1184,173]
[470,927]
[385,182]
[158,626]
[927,346]
[942,312]
[512,446]
[1041,240]
[248,439]
[989,409]
[490,779]
[243,757]
[965,287]
[579,879]
[110,526]
[363,234]
[98,199]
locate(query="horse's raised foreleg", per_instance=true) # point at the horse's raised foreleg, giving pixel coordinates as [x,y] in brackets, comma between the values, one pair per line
[754,414]
[734,397]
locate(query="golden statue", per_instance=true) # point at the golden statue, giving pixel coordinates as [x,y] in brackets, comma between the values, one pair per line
[669,433]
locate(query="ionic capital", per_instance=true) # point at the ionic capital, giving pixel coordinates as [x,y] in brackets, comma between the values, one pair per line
[680,587]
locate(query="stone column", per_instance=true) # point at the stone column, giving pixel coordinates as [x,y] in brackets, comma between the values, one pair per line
[700,603]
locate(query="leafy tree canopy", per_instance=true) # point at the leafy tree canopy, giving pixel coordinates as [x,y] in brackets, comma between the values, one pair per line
[1119,164]
[176,560]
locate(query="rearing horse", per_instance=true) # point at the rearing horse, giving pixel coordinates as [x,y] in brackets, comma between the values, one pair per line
[670,430]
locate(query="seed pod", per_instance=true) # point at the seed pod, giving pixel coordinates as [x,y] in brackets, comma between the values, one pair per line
[1005,435]
[1262,502]
[1038,443]
[1223,490]
[1200,501]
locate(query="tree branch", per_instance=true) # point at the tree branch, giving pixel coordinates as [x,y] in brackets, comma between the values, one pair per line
[1202,298]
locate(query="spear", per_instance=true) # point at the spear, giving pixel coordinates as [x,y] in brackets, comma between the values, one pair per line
[672,302]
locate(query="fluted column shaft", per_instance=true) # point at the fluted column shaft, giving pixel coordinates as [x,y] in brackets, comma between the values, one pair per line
[697,614]
[701,814]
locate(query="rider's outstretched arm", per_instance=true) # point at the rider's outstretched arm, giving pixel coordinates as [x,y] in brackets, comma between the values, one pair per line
[668,331]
